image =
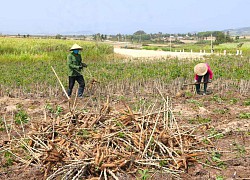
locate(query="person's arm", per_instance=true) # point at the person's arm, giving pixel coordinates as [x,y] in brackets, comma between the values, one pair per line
[84,65]
[210,72]
[196,78]
[70,63]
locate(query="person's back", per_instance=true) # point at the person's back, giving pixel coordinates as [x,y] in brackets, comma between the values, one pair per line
[202,71]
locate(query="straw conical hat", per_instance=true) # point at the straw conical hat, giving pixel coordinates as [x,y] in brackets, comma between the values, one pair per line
[75,46]
[200,69]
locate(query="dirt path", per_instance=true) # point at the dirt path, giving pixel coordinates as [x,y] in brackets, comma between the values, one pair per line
[157,54]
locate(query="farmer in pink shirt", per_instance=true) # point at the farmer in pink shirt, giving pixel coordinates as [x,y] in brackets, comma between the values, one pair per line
[202,70]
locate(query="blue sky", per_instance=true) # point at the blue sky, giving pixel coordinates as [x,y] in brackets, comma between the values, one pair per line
[121,16]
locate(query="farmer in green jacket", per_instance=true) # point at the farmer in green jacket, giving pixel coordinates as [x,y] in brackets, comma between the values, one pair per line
[75,66]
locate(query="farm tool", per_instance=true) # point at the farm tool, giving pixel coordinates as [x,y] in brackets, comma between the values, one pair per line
[195,83]
[60,83]
[183,89]
[71,109]
[74,105]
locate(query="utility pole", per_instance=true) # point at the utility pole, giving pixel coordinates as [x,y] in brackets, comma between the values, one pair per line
[212,51]
[170,43]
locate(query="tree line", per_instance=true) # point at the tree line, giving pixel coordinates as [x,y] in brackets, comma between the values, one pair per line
[141,36]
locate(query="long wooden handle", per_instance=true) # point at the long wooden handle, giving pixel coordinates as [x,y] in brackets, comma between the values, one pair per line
[195,83]
[61,84]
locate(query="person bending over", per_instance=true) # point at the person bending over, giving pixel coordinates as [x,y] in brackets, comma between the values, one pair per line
[202,71]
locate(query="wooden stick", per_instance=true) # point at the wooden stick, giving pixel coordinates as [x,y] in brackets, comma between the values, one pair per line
[195,83]
[78,175]
[112,174]
[74,105]
[61,84]
[100,175]
[6,127]
[151,136]
[105,174]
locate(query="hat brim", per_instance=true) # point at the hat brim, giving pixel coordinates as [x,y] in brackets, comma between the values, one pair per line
[76,49]
[200,69]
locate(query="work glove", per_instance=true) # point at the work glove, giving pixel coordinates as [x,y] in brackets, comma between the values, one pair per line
[210,80]
[84,65]
[195,81]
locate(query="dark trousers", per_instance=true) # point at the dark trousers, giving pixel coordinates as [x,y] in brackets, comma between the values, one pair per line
[205,80]
[81,83]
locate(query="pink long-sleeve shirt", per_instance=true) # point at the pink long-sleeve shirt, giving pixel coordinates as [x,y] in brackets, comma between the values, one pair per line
[209,71]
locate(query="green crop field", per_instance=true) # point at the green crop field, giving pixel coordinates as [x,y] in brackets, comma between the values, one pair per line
[231,48]
[26,64]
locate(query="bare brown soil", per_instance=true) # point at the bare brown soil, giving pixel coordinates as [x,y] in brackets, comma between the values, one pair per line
[227,155]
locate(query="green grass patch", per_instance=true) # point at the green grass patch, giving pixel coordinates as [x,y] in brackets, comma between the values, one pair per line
[196,102]
[199,120]
[246,103]
[8,159]
[244,115]
[221,111]
[21,117]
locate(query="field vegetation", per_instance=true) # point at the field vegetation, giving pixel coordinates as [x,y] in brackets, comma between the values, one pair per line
[26,63]
[136,121]
[201,46]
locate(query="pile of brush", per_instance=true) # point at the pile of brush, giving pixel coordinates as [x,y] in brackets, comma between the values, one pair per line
[87,145]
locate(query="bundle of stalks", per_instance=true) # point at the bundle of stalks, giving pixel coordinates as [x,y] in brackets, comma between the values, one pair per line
[111,142]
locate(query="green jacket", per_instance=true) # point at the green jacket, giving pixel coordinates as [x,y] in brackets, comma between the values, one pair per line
[74,62]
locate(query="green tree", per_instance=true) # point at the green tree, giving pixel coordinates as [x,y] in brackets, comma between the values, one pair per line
[140,32]
[228,38]
[97,37]
[58,36]
[221,37]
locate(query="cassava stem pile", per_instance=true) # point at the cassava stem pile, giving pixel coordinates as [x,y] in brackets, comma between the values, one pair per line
[111,142]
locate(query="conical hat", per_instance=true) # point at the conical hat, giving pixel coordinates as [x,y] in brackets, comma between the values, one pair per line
[75,46]
[200,69]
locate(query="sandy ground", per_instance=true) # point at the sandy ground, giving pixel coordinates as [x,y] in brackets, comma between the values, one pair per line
[157,54]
